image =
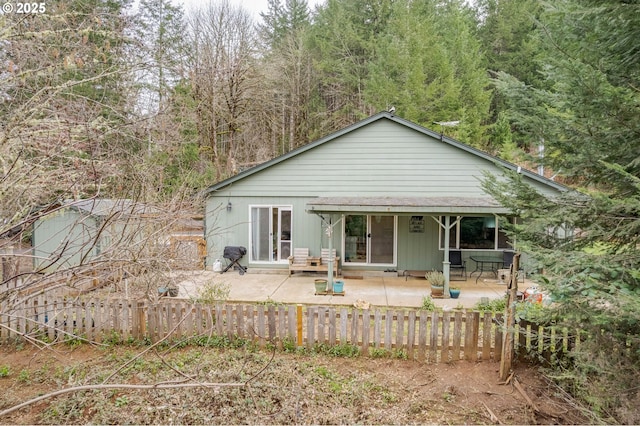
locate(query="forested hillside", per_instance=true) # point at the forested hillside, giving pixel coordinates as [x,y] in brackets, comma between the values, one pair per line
[113,97]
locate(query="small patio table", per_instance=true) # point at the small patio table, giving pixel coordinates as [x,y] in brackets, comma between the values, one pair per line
[486,263]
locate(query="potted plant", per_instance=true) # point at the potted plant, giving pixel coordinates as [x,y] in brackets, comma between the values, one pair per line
[436,279]
[454,292]
[320,285]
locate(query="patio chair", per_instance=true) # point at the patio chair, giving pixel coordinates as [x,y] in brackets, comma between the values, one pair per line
[507,260]
[299,260]
[324,254]
[456,262]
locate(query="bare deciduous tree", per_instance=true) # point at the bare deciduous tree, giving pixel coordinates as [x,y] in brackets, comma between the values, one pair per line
[68,141]
[223,72]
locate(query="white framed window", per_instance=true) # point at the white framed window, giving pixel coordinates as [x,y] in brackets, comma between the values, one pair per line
[270,233]
[477,233]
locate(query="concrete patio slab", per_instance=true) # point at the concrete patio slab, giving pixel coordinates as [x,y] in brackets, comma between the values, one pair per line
[376,290]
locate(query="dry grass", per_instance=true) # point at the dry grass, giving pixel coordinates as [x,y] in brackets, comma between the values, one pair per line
[279,388]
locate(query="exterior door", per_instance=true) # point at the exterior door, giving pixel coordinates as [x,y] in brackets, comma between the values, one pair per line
[382,239]
[283,243]
[271,233]
[370,239]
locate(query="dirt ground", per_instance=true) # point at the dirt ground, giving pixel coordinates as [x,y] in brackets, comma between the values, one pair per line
[261,387]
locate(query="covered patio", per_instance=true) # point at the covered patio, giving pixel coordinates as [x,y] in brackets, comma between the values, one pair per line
[446,212]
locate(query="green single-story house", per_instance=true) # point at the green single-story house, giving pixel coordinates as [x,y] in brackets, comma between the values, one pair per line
[386,187]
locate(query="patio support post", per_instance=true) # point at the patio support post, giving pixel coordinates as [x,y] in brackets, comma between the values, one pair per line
[446,265]
[329,232]
[331,259]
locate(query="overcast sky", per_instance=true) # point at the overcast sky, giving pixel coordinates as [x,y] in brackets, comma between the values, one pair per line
[254,6]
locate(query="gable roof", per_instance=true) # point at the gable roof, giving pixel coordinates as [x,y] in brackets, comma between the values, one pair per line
[385,116]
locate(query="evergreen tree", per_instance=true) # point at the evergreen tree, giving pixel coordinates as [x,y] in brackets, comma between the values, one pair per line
[507,31]
[428,65]
[287,74]
[161,33]
[590,119]
[512,45]
[343,40]
[282,20]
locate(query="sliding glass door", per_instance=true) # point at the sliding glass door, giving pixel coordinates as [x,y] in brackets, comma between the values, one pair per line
[370,239]
[382,240]
[270,233]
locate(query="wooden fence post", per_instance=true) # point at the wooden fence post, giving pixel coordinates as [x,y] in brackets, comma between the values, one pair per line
[141,313]
[311,326]
[471,335]
[509,325]
[446,344]
[332,326]
[299,324]
[366,323]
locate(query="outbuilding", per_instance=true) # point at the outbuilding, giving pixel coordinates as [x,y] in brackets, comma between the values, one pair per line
[75,232]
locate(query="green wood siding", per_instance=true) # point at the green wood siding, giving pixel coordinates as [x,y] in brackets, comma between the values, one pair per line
[62,239]
[381,159]
[231,228]
[418,250]
[65,234]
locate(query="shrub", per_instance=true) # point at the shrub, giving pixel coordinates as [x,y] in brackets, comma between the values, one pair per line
[495,305]
[212,292]
[427,304]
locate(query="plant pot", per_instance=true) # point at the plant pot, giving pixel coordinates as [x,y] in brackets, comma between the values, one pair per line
[437,291]
[454,293]
[338,286]
[321,285]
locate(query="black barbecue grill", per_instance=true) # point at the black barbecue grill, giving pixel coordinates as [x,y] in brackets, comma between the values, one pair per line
[233,254]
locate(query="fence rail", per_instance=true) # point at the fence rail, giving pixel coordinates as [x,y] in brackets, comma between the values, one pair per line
[422,335]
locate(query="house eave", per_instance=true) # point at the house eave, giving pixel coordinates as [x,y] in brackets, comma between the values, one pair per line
[407,205]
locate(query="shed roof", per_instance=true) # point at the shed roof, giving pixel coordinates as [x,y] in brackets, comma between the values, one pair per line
[385,116]
[107,206]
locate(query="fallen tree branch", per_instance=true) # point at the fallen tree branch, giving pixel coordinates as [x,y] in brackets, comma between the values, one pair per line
[492,415]
[506,382]
[524,394]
